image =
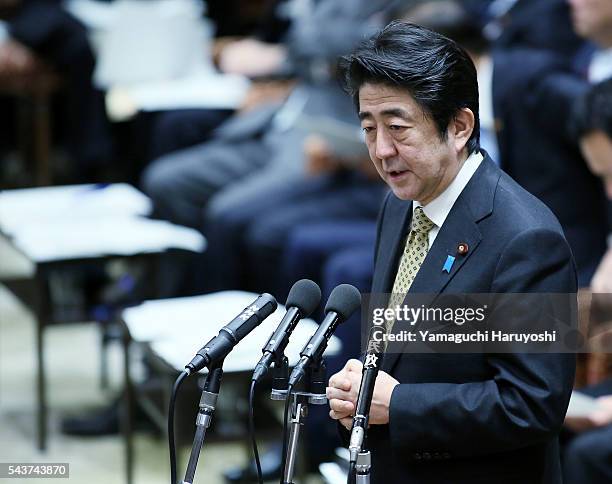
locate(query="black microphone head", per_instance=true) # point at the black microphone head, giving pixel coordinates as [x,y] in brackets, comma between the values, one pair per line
[267,304]
[304,295]
[344,300]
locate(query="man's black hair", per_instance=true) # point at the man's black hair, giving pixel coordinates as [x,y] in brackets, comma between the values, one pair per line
[593,112]
[435,70]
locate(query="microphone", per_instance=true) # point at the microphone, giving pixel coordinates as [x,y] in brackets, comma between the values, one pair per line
[231,334]
[302,300]
[371,365]
[342,303]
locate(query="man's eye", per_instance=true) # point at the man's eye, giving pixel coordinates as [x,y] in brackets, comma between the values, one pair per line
[367,129]
[396,127]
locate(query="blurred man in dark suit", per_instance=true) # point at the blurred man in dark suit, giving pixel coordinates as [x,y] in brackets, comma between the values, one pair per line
[588,455]
[42,30]
[532,106]
[468,418]
[592,21]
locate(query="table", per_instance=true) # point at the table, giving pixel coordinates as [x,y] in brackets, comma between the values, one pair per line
[173,330]
[60,227]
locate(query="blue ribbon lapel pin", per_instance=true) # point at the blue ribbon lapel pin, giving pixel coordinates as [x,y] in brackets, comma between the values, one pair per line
[448,265]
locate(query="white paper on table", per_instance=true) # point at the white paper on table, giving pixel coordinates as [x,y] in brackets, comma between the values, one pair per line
[35,206]
[107,236]
[581,405]
[208,91]
[177,328]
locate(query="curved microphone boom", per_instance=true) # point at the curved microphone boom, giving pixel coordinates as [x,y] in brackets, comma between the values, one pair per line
[343,301]
[229,336]
[303,299]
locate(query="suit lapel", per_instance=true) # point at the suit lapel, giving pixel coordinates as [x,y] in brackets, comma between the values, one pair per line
[459,228]
[396,225]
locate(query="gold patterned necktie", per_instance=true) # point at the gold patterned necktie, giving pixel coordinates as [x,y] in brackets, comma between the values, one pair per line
[415,250]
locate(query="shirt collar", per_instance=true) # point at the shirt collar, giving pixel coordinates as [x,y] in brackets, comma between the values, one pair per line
[438,209]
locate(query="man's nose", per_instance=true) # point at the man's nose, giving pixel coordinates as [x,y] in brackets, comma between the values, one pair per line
[385,148]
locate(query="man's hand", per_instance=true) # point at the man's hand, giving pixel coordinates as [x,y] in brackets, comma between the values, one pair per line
[343,391]
[319,157]
[252,58]
[16,59]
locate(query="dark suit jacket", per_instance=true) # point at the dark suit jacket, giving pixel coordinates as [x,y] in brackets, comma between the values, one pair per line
[60,39]
[477,418]
[540,24]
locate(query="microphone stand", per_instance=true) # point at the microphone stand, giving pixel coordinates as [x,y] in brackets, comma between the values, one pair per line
[360,462]
[314,393]
[208,402]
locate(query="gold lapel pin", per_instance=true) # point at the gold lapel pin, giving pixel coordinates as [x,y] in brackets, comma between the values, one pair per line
[462,248]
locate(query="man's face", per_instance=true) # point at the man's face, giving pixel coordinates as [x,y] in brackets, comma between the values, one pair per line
[592,19]
[597,150]
[405,145]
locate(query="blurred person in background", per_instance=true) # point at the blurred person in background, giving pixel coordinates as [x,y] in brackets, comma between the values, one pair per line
[532,108]
[534,24]
[333,190]
[524,112]
[38,34]
[592,20]
[217,186]
[588,453]
[257,56]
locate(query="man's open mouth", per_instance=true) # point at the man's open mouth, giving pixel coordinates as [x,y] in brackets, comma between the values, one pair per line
[397,173]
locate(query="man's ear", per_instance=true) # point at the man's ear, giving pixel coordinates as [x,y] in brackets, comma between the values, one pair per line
[461,128]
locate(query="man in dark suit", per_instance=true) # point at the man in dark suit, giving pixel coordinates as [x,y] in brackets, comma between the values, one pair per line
[461,418]
[588,452]
[45,29]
